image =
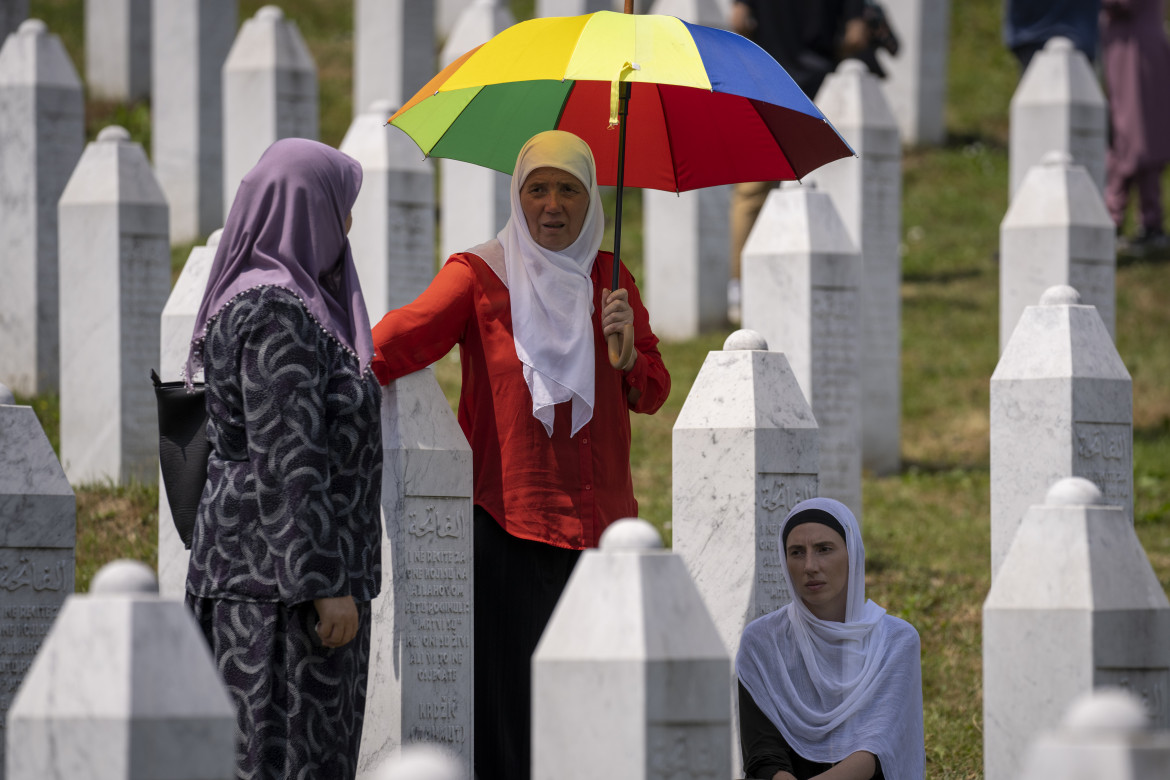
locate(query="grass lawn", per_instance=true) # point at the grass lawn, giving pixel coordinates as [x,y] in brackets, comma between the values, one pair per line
[926,528]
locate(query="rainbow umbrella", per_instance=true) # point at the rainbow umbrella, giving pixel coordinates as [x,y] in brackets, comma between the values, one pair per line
[662,103]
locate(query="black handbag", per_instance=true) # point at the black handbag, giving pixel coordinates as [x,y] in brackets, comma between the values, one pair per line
[182,450]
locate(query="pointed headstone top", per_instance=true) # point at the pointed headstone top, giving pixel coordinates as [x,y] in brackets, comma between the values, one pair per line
[630,534]
[745,339]
[32,27]
[113,134]
[124,577]
[6,396]
[1056,159]
[1106,710]
[270,13]
[213,239]
[1074,491]
[1060,295]
[1058,44]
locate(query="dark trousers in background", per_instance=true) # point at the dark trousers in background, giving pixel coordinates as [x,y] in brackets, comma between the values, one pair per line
[517,585]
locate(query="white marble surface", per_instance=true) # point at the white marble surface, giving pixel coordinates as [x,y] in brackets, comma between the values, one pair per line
[802,291]
[422,761]
[393,233]
[12,13]
[630,679]
[123,687]
[473,201]
[117,49]
[916,79]
[176,330]
[705,12]
[1056,231]
[1105,733]
[42,132]
[1059,105]
[393,50]
[686,256]
[421,670]
[191,43]
[1076,605]
[1061,405]
[447,13]
[572,7]
[115,266]
[867,192]
[269,93]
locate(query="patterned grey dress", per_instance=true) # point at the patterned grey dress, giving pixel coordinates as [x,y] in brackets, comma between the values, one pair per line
[290,514]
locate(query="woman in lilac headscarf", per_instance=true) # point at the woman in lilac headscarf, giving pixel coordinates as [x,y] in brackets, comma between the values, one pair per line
[286,552]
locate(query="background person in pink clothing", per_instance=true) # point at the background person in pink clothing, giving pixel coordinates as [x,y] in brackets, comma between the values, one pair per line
[1136,58]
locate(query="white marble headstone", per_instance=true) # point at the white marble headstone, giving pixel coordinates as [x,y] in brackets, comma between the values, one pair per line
[191,43]
[115,270]
[630,679]
[1061,405]
[393,233]
[447,13]
[1056,231]
[422,761]
[393,50]
[474,202]
[1058,104]
[269,93]
[705,12]
[572,7]
[1075,606]
[42,133]
[12,13]
[117,49]
[1105,733]
[802,292]
[38,531]
[867,191]
[177,328]
[124,688]
[421,667]
[916,79]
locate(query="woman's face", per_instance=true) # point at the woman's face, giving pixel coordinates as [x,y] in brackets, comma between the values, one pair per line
[818,565]
[554,203]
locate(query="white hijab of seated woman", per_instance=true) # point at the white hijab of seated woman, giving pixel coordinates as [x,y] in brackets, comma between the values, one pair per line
[834,688]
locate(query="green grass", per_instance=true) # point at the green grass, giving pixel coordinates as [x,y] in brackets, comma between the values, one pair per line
[926,530]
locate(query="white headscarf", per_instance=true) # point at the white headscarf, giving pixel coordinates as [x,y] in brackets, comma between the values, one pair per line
[551,292]
[835,688]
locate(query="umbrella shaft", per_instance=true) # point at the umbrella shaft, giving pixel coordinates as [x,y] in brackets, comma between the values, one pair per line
[623,112]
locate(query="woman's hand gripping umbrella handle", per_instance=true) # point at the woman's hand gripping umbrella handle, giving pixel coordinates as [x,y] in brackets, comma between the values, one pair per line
[617,322]
[621,349]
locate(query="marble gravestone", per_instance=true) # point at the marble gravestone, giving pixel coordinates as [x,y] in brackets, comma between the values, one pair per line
[1056,231]
[269,93]
[191,43]
[115,268]
[1061,405]
[916,79]
[38,532]
[393,50]
[12,13]
[630,678]
[1059,105]
[1105,733]
[393,233]
[744,452]
[42,133]
[802,292]
[421,670]
[686,260]
[117,49]
[867,192]
[474,201]
[705,12]
[1075,606]
[176,329]
[571,7]
[124,688]
[447,13]
[422,761]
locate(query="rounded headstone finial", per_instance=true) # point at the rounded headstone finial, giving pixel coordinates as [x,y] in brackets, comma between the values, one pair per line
[213,239]
[32,27]
[270,13]
[1106,710]
[1056,158]
[382,107]
[113,134]
[852,66]
[1060,295]
[745,338]
[630,533]
[124,576]
[421,761]
[6,397]
[1058,43]
[1074,491]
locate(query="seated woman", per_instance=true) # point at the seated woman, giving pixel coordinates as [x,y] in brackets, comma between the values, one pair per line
[830,686]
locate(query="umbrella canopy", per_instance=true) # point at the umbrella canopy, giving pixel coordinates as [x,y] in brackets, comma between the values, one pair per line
[707,106]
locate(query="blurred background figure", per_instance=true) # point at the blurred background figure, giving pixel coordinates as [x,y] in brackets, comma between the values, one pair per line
[1135,56]
[1028,24]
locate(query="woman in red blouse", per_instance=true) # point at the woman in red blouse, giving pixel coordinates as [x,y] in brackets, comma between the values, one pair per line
[546,414]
